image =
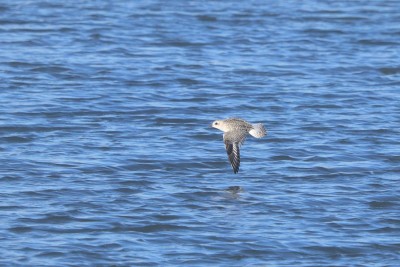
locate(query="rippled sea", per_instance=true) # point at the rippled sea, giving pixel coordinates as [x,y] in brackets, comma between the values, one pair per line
[108,157]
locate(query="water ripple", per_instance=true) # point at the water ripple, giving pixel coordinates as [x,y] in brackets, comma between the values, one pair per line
[109,157]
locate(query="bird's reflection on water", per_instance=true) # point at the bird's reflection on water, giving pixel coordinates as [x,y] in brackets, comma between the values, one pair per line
[234,191]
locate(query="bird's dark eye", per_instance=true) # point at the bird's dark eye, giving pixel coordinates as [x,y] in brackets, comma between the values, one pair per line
[216,123]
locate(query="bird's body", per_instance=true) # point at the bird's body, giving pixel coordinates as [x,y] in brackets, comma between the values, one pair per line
[235,132]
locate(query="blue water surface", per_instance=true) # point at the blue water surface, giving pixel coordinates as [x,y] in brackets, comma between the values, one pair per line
[108,157]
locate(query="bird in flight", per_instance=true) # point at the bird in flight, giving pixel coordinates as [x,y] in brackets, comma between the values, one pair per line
[235,131]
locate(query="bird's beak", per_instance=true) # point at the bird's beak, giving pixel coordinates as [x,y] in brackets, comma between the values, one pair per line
[211,125]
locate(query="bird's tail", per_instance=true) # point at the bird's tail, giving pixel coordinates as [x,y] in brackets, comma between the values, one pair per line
[258,130]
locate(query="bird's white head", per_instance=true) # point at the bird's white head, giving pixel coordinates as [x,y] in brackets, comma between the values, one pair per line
[220,125]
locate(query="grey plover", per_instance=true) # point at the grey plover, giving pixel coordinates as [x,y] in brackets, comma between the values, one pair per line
[235,131]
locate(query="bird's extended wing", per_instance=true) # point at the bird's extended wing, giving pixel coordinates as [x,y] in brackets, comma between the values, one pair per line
[234,155]
[233,141]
